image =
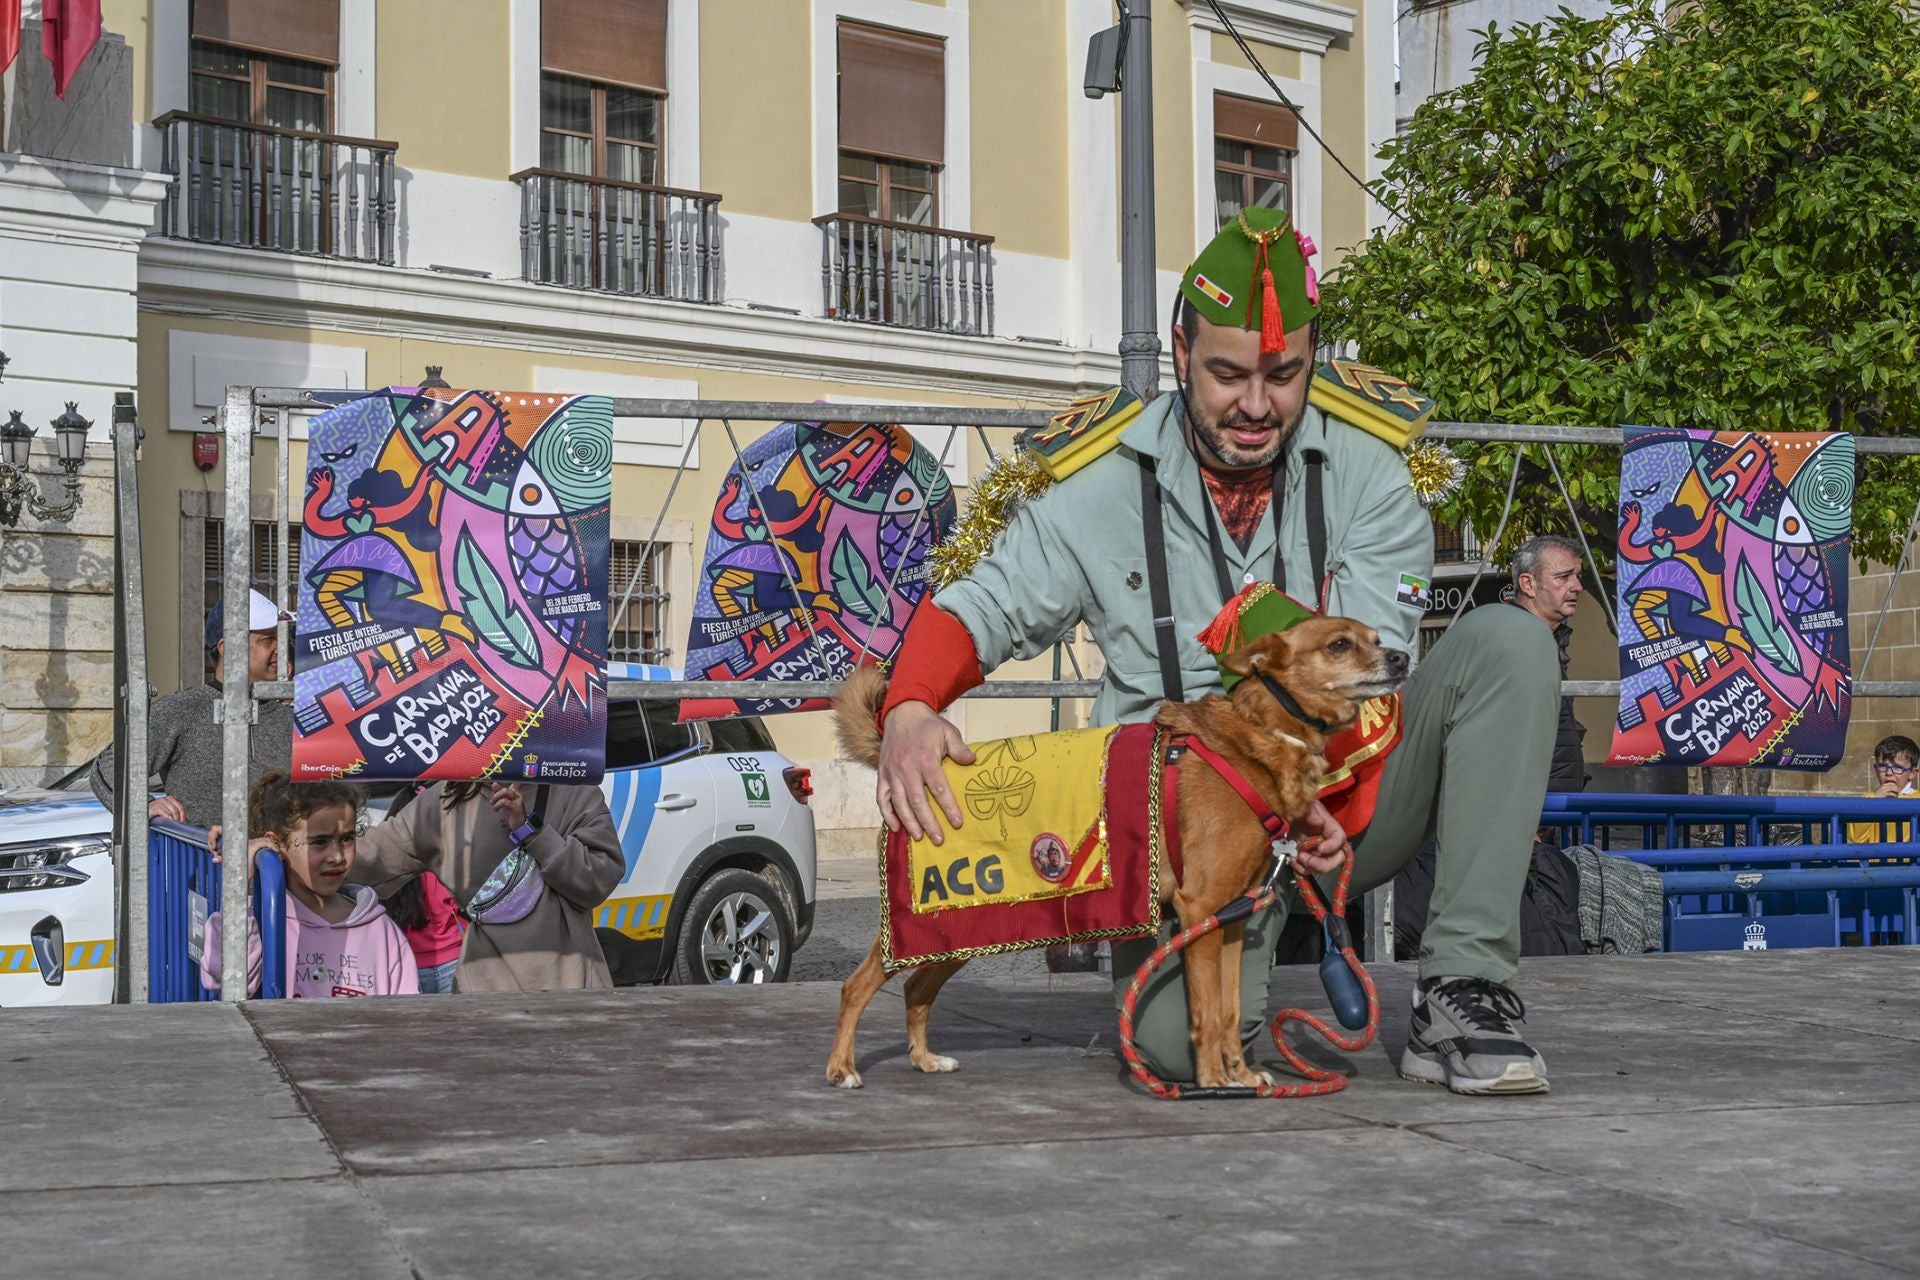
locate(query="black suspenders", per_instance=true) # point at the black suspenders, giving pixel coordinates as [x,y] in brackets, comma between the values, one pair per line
[1159,592]
[1164,637]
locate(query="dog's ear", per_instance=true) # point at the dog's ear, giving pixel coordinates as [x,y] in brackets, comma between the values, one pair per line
[1263,652]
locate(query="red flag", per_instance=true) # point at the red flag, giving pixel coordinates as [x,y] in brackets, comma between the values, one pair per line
[68,31]
[9,32]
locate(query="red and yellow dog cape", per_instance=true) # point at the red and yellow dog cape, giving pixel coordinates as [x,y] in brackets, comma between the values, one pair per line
[1059,845]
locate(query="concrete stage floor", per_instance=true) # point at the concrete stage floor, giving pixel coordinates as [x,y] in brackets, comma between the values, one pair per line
[1727,1115]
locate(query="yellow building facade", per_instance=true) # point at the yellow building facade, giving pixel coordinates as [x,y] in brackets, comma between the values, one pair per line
[791,200]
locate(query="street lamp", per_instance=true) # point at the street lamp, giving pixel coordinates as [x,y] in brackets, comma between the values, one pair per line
[70,437]
[19,492]
[16,443]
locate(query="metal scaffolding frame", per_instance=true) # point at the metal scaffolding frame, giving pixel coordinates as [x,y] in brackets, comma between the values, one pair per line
[239,419]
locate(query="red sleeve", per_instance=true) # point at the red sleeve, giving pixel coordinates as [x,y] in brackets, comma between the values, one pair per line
[937,662]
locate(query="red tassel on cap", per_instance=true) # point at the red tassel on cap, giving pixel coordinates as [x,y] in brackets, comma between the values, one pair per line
[1273,330]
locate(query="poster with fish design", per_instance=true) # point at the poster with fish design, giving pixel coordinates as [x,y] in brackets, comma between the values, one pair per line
[816,559]
[453,590]
[1732,602]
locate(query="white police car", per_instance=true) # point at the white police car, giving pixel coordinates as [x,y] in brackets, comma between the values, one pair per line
[714,824]
[56,896]
[719,843]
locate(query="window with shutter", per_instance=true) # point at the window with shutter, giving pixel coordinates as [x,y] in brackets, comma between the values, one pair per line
[1253,148]
[267,62]
[603,83]
[892,103]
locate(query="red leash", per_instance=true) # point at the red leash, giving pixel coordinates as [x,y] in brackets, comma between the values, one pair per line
[1318,1080]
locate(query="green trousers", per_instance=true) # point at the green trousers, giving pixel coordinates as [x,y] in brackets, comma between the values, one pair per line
[1479,717]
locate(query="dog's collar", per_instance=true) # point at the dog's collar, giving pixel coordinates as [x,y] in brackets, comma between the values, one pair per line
[1292,705]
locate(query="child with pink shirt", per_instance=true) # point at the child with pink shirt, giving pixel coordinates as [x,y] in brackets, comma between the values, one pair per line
[340,941]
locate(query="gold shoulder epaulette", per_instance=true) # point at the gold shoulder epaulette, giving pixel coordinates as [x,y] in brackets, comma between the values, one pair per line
[1378,403]
[1084,430]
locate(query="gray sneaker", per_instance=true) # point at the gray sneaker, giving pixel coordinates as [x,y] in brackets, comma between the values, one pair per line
[1462,1036]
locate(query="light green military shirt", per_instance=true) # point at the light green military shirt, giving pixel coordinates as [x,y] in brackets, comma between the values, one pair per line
[1077,553]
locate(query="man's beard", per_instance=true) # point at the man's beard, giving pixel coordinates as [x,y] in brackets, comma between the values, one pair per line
[1217,450]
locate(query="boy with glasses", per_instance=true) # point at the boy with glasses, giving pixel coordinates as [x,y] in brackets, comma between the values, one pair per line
[1896,765]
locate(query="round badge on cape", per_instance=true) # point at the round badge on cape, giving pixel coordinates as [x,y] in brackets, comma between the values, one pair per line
[1050,857]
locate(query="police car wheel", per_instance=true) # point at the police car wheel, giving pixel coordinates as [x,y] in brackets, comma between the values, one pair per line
[737,930]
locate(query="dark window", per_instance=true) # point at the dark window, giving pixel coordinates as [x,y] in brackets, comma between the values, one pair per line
[896,190]
[637,632]
[1253,149]
[743,734]
[626,736]
[256,88]
[669,738]
[644,733]
[599,131]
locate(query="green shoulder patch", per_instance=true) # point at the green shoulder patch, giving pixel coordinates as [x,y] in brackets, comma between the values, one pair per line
[1083,431]
[1378,403]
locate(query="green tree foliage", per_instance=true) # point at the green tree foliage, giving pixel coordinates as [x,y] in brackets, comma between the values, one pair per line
[1707,218]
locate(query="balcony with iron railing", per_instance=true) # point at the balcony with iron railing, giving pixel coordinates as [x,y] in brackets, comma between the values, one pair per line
[286,190]
[611,236]
[906,275]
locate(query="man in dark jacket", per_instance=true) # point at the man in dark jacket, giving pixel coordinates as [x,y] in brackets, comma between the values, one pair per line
[1546,583]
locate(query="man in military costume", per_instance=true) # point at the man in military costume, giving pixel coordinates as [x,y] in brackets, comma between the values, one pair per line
[1241,476]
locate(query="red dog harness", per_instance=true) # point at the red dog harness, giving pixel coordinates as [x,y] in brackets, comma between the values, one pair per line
[1354,985]
[1275,825]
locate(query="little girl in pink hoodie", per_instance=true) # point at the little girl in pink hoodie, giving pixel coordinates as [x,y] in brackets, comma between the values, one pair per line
[340,941]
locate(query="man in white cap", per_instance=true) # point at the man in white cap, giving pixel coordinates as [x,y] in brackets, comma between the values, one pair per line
[184,744]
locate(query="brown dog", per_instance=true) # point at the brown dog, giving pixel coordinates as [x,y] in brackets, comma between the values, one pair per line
[1329,666]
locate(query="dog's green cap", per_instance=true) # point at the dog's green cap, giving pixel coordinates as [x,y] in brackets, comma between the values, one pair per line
[1260,610]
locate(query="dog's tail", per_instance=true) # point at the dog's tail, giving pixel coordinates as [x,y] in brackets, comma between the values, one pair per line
[856,715]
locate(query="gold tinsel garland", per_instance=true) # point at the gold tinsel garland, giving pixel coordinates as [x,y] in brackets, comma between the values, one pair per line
[999,491]
[1433,472]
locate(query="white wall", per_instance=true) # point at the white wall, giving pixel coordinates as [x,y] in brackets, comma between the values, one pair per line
[69,243]
[69,237]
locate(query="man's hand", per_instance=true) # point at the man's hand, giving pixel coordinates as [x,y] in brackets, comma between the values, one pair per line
[509,804]
[1887,790]
[917,739]
[1322,841]
[166,807]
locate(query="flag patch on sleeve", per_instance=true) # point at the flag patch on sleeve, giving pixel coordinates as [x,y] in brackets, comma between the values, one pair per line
[1415,592]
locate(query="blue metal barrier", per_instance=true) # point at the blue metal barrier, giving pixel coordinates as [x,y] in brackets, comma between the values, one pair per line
[1743,892]
[181,867]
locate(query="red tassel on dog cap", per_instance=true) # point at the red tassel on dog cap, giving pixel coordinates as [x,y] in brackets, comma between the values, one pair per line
[1223,633]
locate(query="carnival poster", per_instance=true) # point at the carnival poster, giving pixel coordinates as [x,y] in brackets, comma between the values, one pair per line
[452,611]
[1733,598]
[816,559]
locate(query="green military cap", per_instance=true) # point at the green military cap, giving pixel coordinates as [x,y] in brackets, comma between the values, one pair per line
[1255,275]
[1261,609]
